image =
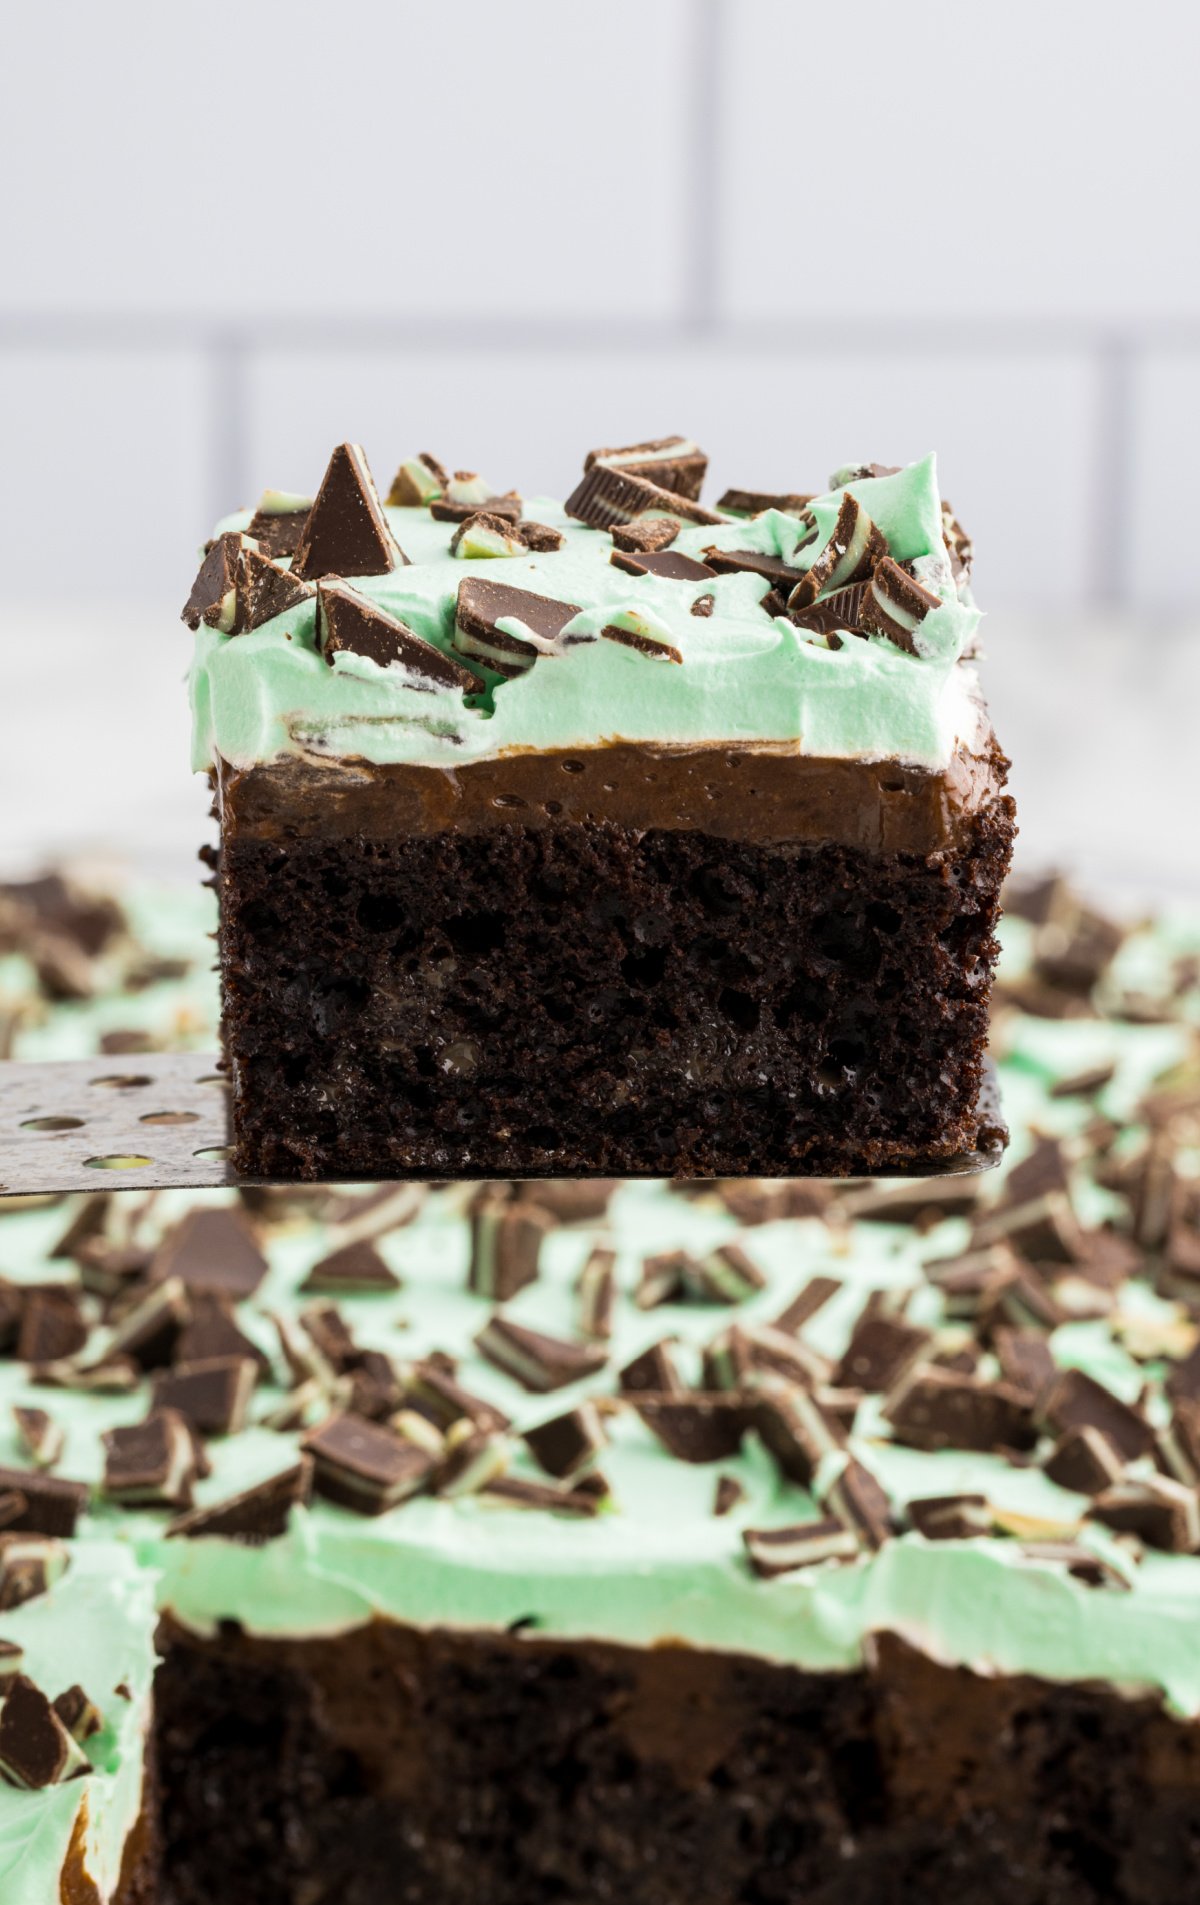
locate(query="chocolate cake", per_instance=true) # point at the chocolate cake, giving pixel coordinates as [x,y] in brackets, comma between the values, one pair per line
[624,836]
[747,1540]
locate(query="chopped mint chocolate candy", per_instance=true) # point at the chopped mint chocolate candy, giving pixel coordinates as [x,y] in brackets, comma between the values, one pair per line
[774,1551]
[445,509]
[895,604]
[86,1225]
[150,1331]
[1177,1446]
[880,1351]
[14,1506]
[1161,1512]
[1081,1563]
[840,611]
[541,538]
[36,1750]
[695,1426]
[364,1466]
[52,1326]
[357,1268]
[703,605]
[805,1304]
[346,532]
[727,1494]
[857,1498]
[569,1443]
[53,1505]
[511,1491]
[151,1463]
[80,1715]
[277,523]
[212,1330]
[854,547]
[214,1395]
[605,496]
[1086,1461]
[30,1564]
[723,1275]
[436,1394]
[645,535]
[860,472]
[597,1294]
[108,1376]
[480,607]
[644,633]
[936,1409]
[1026,1360]
[41,1436]
[267,590]
[652,1371]
[781,575]
[538,1362]
[472,1458]
[795,1426]
[506,1242]
[213,599]
[671,564]
[211,1251]
[349,624]
[255,1515]
[735,1352]
[662,1279]
[674,463]
[481,536]
[950,1517]
[12,1662]
[1076,1400]
[754,502]
[419,481]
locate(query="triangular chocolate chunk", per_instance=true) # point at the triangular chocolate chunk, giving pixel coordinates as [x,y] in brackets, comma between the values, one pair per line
[346,532]
[213,599]
[258,1514]
[482,604]
[277,523]
[350,624]
[267,590]
[211,1250]
[356,1266]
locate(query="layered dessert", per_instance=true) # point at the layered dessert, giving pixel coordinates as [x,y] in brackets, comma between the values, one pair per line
[618,836]
[553,1540]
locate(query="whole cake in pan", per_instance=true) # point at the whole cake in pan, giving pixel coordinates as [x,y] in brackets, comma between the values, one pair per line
[622,836]
[758,1541]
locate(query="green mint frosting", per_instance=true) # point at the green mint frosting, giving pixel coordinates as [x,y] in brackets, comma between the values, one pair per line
[746,678]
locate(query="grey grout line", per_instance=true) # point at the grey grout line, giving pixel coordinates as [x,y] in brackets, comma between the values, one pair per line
[1111,512]
[703,243]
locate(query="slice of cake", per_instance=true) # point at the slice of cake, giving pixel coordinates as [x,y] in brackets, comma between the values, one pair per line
[765,1541]
[624,836]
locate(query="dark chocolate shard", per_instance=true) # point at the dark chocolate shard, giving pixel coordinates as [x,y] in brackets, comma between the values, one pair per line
[880,1352]
[795,1426]
[569,1200]
[724,1275]
[212,1330]
[727,1494]
[703,605]
[511,1491]
[214,1395]
[637,631]
[149,1331]
[1160,1511]
[40,1435]
[1081,1563]
[652,1372]
[212,1251]
[355,1269]
[349,624]
[541,538]
[597,1294]
[895,604]
[538,1362]
[1085,1460]
[86,1225]
[774,1551]
[79,1714]
[674,463]
[213,599]
[346,532]
[267,590]
[936,1409]
[482,536]
[365,1467]
[805,1304]
[854,547]
[278,522]
[53,1505]
[451,509]
[646,535]
[950,1517]
[471,1459]
[1044,1230]
[151,1463]
[482,603]
[605,496]
[254,1516]
[36,1750]
[30,1564]
[1026,1360]
[418,481]
[434,1392]
[671,564]
[841,611]
[14,1506]
[506,1242]
[661,1279]
[52,1326]
[781,575]
[753,502]
[735,1353]
[695,1426]
[959,545]
[1076,1400]
[858,1500]
[1177,1446]
[570,1443]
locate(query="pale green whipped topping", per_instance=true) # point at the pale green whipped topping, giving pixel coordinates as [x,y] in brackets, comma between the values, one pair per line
[746,678]
[96,1629]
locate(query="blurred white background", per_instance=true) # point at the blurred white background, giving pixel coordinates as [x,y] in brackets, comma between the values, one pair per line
[234,234]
